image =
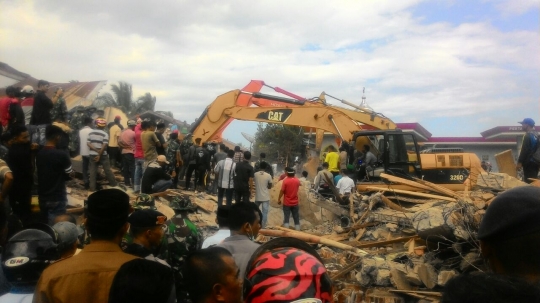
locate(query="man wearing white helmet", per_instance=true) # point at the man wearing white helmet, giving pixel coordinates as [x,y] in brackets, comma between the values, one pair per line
[27,103]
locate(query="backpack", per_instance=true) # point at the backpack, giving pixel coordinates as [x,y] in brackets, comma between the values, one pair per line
[536,154]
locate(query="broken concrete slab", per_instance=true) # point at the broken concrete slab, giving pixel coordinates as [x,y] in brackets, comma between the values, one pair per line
[445,276]
[434,222]
[428,275]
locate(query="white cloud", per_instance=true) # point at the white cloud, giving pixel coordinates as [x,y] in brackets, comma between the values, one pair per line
[188,52]
[515,7]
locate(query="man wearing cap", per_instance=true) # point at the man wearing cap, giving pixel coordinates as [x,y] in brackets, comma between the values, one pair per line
[127,143]
[289,193]
[147,228]
[509,233]
[88,276]
[222,220]
[113,147]
[68,238]
[155,178]
[528,147]
[97,143]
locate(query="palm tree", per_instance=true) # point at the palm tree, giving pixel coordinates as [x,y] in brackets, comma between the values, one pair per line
[122,98]
[146,102]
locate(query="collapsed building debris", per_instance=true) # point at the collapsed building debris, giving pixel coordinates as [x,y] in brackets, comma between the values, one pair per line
[383,245]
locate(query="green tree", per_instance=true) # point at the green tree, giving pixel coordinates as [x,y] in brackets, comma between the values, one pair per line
[122,98]
[280,142]
[146,102]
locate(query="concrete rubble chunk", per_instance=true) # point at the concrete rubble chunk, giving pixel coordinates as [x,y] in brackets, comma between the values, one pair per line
[433,222]
[428,275]
[445,276]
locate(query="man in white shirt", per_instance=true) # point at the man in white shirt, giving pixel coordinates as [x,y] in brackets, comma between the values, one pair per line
[225,174]
[263,182]
[345,185]
[84,150]
[222,219]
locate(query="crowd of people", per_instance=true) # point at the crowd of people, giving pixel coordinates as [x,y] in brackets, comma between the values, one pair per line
[125,252]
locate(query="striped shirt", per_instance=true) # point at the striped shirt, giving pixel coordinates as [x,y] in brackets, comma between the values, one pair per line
[225,170]
[97,138]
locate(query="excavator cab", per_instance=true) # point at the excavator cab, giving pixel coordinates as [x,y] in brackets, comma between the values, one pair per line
[397,153]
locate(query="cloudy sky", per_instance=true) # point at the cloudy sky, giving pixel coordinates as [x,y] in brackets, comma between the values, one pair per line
[457,67]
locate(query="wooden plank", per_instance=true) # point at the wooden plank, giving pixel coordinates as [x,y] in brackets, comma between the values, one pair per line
[384,243]
[346,270]
[438,188]
[427,293]
[506,164]
[360,234]
[405,182]
[311,238]
[393,205]
[412,193]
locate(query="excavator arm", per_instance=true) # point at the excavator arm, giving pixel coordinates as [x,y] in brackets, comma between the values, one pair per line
[225,108]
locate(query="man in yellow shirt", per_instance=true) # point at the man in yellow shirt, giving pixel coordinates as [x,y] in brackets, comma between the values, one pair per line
[114,133]
[332,158]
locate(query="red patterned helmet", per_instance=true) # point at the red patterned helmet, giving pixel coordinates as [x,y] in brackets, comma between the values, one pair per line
[286,270]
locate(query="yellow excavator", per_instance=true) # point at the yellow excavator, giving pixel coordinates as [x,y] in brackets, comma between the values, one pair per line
[397,152]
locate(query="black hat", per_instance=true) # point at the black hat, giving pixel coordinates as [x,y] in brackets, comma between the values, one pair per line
[223,211]
[108,206]
[146,218]
[512,214]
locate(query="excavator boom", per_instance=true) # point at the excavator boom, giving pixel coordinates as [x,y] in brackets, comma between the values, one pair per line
[225,108]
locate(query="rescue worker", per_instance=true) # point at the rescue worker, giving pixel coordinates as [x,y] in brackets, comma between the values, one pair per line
[147,228]
[183,237]
[528,147]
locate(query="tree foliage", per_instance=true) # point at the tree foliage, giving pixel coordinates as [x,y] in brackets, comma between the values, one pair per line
[280,142]
[122,98]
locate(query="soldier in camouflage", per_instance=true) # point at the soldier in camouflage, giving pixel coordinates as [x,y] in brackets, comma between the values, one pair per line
[59,110]
[183,237]
[184,152]
[143,201]
[174,157]
[76,124]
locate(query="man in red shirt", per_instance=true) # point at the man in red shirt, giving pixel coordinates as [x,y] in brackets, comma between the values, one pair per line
[289,192]
[139,156]
[5,102]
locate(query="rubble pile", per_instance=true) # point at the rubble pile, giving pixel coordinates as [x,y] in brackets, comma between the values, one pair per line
[386,245]
[402,246]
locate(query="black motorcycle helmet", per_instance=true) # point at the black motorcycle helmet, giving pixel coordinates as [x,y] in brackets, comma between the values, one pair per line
[26,255]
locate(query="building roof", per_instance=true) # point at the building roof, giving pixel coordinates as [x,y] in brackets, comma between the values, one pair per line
[470,141]
[75,93]
[501,132]
[151,114]
[416,128]
[10,72]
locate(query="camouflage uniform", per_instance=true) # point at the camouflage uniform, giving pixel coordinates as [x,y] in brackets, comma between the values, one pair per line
[183,237]
[170,153]
[143,201]
[184,151]
[59,110]
[76,124]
